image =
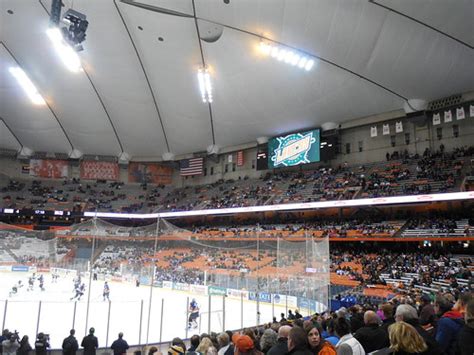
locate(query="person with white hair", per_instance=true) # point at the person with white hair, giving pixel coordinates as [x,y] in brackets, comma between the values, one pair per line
[281,347]
[408,314]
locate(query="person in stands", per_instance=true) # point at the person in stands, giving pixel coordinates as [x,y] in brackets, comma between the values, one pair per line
[404,340]
[317,344]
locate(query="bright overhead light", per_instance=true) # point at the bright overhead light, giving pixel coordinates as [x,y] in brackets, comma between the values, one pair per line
[288,56]
[67,54]
[309,65]
[302,62]
[27,85]
[205,85]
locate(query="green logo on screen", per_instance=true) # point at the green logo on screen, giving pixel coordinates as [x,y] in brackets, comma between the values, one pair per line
[293,149]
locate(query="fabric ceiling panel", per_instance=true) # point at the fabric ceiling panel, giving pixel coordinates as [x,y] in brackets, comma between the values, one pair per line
[172,65]
[70,94]
[34,125]
[283,97]
[7,140]
[116,72]
[454,17]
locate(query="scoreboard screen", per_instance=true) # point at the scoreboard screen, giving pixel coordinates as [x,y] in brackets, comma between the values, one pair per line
[294,149]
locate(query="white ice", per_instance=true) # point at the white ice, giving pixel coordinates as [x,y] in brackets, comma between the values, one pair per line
[52,312]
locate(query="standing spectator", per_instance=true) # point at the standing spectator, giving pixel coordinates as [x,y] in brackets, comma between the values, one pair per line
[268,340]
[119,346]
[404,340]
[347,345]
[298,342]
[317,344]
[10,346]
[450,323]
[427,311]
[25,346]
[70,344]
[281,347]
[195,340]
[225,347]
[90,343]
[466,336]
[41,344]
[387,309]
[5,336]
[331,336]
[407,314]
[357,317]
[371,336]
[206,347]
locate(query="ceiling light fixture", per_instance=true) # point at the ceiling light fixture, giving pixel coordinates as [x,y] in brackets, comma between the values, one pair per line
[27,85]
[282,54]
[205,85]
[67,54]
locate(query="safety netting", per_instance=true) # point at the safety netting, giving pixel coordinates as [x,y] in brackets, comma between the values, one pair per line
[156,281]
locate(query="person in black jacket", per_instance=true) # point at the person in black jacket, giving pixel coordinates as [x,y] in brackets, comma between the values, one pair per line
[41,344]
[25,346]
[90,343]
[70,344]
[298,342]
[408,314]
[466,335]
[281,346]
[119,346]
[371,336]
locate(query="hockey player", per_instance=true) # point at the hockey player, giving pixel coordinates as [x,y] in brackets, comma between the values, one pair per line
[41,282]
[15,288]
[193,314]
[79,292]
[106,292]
[31,283]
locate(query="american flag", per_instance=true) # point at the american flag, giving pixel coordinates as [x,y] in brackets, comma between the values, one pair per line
[190,167]
[240,158]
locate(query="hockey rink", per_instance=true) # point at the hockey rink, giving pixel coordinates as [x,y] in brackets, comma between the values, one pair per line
[52,312]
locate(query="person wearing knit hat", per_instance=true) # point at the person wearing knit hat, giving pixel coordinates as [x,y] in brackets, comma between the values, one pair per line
[175,350]
[244,345]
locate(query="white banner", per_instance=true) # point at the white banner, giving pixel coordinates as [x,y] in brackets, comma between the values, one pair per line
[373,131]
[167,284]
[229,158]
[5,268]
[386,129]
[471,110]
[237,294]
[292,301]
[198,289]
[460,115]
[399,127]
[448,116]
[436,119]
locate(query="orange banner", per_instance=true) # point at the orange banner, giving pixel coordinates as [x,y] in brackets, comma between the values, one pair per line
[99,170]
[49,168]
[150,173]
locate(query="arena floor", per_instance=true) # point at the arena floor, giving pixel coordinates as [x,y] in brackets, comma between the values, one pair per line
[56,311]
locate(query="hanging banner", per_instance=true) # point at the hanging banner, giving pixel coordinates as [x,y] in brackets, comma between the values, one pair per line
[448,116]
[149,173]
[436,119]
[460,115]
[229,158]
[49,168]
[99,170]
[386,129]
[399,127]
[373,131]
[471,110]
